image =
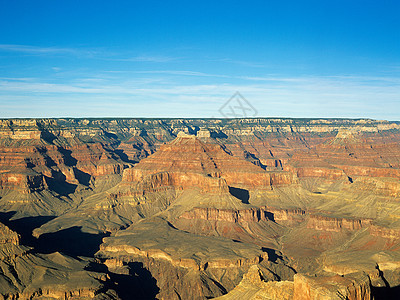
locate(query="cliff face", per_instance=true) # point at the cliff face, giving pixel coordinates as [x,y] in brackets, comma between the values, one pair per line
[52,164]
[287,217]
[388,187]
[8,236]
[387,233]
[267,142]
[336,224]
[350,153]
[25,181]
[197,266]
[188,162]
[354,286]
[178,180]
[253,286]
[234,216]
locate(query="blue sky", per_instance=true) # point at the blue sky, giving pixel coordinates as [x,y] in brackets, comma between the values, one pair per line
[187,58]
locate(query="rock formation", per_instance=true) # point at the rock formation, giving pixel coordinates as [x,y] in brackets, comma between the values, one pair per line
[353,286]
[26,275]
[199,208]
[189,162]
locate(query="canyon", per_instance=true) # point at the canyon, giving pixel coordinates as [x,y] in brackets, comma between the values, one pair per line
[257,208]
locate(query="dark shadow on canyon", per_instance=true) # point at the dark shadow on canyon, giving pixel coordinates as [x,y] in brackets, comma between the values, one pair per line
[58,184]
[385,293]
[83,177]
[46,135]
[24,226]
[136,283]
[272,254]
[269,216]
[69,160]
[242,194]
[122,155]
[218,135]
[71,241]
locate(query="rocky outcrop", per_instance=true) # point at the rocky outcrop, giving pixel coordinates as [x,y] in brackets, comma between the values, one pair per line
[20,129]
[335,224]
[188,162]
[353,287]
[253,286]
[171,253]
[25,181]
[8,236]
[190,263]
[234,216]
[388,187]
[317,172]
[33,165]
[350,153]
[287,217]
[385,232]
[178,180]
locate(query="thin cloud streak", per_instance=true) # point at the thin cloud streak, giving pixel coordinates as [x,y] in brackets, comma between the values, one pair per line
[291,97]
[94,53]
[42,50]
[146,58]
[250,64]
[316,85]
[182,72]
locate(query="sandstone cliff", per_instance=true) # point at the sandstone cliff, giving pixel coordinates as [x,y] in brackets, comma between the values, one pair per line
[353,286]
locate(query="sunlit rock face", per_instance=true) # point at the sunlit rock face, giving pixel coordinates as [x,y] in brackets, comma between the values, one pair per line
[188,162]
[198,209]
[355,286]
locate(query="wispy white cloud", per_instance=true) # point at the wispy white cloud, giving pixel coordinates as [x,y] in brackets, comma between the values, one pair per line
[244,63]
[183,73]
[334,96]
[271,78]
[96,53]
[147,58]
[317,85]
[18,78]
[35,50]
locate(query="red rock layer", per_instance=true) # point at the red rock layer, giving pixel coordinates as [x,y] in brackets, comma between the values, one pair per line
[26,166]
[189,162]
[25,181]
[353,155]
[336,224]
[228,215]
[389,233]
[285,216]
[389,187]
[177,180]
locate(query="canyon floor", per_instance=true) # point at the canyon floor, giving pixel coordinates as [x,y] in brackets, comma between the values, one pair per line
[260,208]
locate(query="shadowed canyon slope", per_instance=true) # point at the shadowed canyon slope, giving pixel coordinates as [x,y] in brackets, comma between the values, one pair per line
[200,209]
